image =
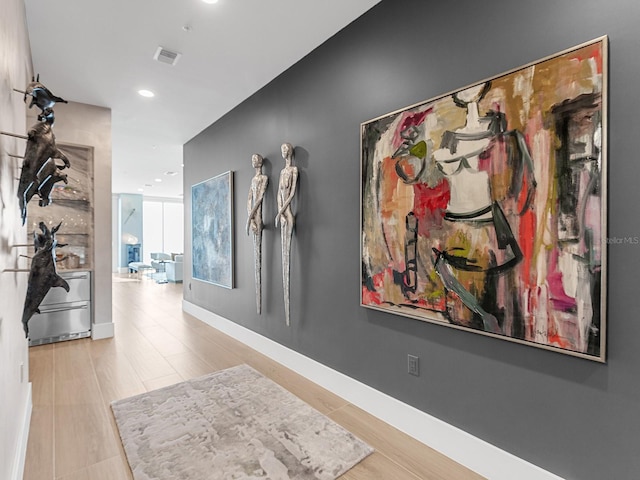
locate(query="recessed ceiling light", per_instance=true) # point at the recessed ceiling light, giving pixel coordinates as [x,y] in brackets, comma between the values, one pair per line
[158,180]
[146,93]
[210,1]
[141,189]
[148,185]
[170,174]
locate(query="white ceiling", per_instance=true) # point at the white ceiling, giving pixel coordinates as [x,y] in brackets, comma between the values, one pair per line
[101,53]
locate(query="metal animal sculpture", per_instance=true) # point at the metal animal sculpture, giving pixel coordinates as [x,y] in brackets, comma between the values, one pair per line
[38,164]
[48,176]
[41,96]
[43,275]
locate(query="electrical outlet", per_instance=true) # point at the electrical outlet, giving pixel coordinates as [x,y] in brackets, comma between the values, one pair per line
[413,365]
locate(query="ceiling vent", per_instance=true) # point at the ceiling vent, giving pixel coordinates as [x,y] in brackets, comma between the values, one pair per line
[166,56]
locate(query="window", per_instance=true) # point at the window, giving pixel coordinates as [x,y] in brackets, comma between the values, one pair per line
[173,235]
[162,228]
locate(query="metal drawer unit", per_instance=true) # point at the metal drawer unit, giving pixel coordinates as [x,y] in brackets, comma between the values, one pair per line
[64,316]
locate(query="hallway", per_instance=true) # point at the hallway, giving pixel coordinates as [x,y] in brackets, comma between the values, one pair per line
[73,435]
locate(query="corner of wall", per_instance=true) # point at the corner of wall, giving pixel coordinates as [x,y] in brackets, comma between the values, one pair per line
[90,125]
[22,438]
[100,331]
[15,71]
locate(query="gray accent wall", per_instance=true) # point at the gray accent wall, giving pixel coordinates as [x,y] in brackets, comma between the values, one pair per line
[576,418]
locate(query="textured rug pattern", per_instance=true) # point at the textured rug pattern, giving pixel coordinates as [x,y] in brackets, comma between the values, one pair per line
[232,424]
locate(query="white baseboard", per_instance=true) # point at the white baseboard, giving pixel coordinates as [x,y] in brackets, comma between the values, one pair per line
[23,438]
[472,452]
[102,330]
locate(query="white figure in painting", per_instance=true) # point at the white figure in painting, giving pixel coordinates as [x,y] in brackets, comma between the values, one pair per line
[458,160]
[480,241]
[255,224]
[285,217]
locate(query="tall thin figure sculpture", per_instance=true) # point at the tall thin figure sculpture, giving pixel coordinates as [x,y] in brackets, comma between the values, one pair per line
[254,222]
[286,191]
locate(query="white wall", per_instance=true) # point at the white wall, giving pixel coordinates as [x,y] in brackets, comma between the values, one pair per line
[115,240]
[15,400]
[90,125]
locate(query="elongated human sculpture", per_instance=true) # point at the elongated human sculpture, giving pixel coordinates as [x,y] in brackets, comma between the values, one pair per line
[43,275]
[254,222]
[285,217]
[38,167]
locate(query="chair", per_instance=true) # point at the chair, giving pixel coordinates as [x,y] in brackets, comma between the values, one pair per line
[138,267]
[173,269]
[158,259]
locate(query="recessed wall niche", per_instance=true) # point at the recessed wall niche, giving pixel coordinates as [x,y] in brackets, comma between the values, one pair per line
[72,203]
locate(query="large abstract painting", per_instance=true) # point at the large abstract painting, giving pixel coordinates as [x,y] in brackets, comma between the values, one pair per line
[484,209]
[212,230]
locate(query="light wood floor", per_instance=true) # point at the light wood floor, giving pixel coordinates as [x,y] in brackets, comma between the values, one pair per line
[73,435]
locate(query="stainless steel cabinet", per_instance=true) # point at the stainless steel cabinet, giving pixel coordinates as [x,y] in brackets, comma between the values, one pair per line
[64,316]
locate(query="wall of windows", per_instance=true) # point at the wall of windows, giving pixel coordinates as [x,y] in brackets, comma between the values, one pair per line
[162,227]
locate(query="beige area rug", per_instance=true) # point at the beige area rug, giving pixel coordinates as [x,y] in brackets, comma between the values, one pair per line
[228,425]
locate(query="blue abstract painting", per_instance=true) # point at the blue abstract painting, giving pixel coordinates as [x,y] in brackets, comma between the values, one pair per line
[212,230]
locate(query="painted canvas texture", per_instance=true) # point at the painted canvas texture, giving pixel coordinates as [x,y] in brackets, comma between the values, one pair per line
[484,209]
[212,230]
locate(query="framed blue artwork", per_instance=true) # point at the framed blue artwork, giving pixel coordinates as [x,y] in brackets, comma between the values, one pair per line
[212,230]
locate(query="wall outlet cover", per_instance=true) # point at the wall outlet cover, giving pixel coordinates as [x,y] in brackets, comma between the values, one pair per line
[413,365]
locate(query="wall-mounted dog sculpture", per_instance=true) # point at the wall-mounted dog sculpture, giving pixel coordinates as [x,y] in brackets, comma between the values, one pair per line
[48,176]
[43,275]
[41,97]
[38,167]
